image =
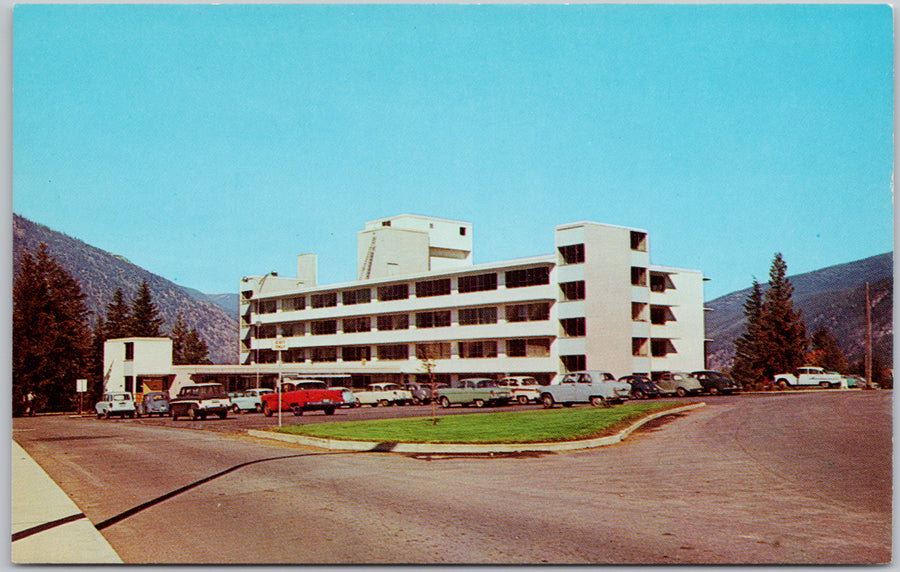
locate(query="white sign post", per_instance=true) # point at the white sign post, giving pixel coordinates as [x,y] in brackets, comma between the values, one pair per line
[279,346]
[81,388]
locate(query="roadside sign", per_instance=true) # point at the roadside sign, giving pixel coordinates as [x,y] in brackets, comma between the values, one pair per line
[81,385]
[280,345]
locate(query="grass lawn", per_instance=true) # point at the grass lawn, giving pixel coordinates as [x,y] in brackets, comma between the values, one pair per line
[545,425]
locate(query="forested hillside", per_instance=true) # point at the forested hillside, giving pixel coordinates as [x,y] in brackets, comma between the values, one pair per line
[100,273]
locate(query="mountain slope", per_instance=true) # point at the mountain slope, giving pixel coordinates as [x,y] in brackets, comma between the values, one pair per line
[100,273]
[833,297]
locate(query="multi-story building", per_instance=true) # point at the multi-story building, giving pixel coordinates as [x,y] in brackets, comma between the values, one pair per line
[596,302]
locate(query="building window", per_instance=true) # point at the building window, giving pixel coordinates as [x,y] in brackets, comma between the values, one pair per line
[267,331]
[479,349]
[361,324]
[385,223]
[293,355]
[393,292]
[324,354]
[428,288]
[573,327]
[572,290]
[439,350]
[267,306]
[324,300]
[638,347]
[129,351]
[462,231]
[659,315]
[528,277]
[356,353]
[293,329]
[537,347]
[572,254]
[477,283]
[574,362]
[639,241]
[293,303]
[660,282]
[129,383]
[393,322]
[323,327]
[638,312]
[393,352]
[433,319]
[534,312]
[475,316]
[662,347]
[360,296]
[267,356]
[638,276]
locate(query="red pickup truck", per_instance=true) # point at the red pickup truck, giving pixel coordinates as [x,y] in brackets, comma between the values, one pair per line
[301,395]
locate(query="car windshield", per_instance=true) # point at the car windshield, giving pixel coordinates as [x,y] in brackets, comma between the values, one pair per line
[158,397]
[213,391]
[121,397]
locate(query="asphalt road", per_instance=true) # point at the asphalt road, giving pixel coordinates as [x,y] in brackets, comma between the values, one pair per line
[784,478]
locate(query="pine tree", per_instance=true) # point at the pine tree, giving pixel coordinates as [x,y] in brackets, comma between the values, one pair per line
[51,336]
[748,367]
[195,349]
[783,334]
[179,336]
[826,352]
[145,320]
[118,318]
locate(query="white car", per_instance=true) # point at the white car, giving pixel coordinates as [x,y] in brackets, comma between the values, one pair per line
[524,388]
[348,396]
[119,403]
[248,400]
[377,394]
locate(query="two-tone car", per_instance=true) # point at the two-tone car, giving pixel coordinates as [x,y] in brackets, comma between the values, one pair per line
[599,388]
[199,400]
[248,400]
[525,389]
[680,383]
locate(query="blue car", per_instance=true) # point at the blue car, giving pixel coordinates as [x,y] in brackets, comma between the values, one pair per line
[155,402]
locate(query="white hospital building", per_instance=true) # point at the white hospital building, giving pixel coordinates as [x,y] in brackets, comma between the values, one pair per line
[596,302]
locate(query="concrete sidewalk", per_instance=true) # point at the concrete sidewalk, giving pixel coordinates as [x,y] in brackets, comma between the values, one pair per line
[47,527]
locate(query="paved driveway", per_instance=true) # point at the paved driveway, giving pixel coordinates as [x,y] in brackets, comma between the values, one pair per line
[787,478]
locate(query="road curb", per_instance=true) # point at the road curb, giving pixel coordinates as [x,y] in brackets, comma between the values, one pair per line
[468,448]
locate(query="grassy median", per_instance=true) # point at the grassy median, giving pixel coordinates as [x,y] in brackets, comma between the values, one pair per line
[546,425]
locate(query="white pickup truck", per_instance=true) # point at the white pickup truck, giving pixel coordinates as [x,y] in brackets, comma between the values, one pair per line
[810,376]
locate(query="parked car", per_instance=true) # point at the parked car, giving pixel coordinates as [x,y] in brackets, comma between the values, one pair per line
[119,403]
[716,382]
[524,388]
[641,387]
[377,394]
[154,402]
[248,400]
[599,388]
[477,391]
[809,375]
[855,381]
[680,383]
[421,392]
[350,399]
[301,395]
[199,400]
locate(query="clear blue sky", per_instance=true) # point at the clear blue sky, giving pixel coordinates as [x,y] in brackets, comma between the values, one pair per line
[206,143]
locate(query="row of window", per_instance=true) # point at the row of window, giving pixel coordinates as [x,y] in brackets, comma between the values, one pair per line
[659,315]
[535,311]
[426,288]
[659,347]
[525,347]
[574,253]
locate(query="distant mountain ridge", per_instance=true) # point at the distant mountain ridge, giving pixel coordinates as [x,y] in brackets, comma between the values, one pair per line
[832,297]
[100,273]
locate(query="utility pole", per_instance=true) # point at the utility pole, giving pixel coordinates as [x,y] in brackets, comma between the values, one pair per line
[868,340]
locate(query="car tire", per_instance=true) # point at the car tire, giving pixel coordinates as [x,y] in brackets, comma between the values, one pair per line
[383,403]
[223,414]
[298,411]
[680,392]
[99,415]
[523,399]
[479,403]
[237,410]
[329,411]
[598,401]
[194,414]
[173,415]
[547,400]
[267,411]
[106,414]
[445,403]
[824,385]
[782,384]
[416,401]
[638,394]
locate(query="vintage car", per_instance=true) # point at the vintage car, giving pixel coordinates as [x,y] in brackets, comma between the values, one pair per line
[716,382]
[119,403]
[477,391]
[679,382]
[524,388]
[641,387]
[248,400]
[599,388]
[347,395]
[377,394]
[301,395]
[199,400]
[421,392]
[155,402]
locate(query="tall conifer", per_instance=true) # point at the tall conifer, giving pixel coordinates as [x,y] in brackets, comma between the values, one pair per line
[145,320]
[783,333]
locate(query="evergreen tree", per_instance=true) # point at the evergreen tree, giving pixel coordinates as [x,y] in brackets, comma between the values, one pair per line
[748,367]
[145,320]
[783,334]
[826,352]
[51,336]
[118,318]
[195,349]
[179,336]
